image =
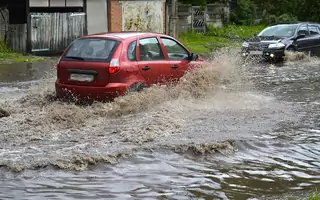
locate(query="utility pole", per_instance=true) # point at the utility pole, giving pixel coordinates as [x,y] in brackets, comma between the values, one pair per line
[174,19]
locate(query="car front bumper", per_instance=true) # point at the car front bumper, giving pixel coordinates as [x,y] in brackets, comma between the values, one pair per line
[265,53]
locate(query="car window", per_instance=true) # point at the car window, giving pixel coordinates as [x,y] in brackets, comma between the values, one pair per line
[91,48]
[314,30]
[281,30]
[303,29]
[175,50]
[150,49]
[132,51]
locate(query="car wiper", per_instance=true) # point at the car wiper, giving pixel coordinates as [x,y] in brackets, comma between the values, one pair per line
[75,57]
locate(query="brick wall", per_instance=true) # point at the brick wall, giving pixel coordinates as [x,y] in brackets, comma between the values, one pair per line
[115,16]
[3,22]
[164,15]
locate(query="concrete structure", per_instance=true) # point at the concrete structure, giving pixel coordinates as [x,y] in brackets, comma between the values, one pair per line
[97,16]
[139,15]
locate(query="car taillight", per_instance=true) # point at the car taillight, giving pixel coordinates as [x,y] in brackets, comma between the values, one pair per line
[114,66]
[114,63]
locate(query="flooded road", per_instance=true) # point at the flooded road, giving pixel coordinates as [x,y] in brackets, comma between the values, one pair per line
[226,132]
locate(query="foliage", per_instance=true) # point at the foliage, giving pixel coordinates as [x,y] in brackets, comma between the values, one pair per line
[201,44]
[314,196]
[217,38]
[3,47]
[281,19]
[273,11]
[234,31]
[7,56]
[245,12]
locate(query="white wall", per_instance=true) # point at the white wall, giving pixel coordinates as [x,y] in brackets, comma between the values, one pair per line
[97,16]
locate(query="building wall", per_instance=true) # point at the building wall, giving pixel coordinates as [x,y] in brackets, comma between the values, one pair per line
[143,15]
[114,16]
[97,16]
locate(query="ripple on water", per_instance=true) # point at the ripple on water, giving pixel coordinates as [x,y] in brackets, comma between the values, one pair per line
[275,129]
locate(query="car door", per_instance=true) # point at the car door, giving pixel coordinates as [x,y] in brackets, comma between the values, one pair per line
[314,39]
[151,61]
[178,57]
[304,43]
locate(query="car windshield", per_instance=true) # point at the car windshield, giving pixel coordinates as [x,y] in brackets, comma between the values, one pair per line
[90,48]
[285,30]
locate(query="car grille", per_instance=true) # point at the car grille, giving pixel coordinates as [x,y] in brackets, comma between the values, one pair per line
[258,46]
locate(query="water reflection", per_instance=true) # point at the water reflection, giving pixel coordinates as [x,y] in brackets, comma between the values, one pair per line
[21,72]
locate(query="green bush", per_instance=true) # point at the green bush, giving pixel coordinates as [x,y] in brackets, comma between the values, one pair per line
[3,47]
[234,31]
[245,13]
[272,19]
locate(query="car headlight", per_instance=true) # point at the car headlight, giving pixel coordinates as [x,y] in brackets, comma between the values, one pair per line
[276,46]
[245,44]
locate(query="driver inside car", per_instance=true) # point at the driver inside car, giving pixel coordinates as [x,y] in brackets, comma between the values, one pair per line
[144,52]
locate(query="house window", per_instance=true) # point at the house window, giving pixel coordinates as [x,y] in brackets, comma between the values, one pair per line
[39,3]
[74,3]
[56,3]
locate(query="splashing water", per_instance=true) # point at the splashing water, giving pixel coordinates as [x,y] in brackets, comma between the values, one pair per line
[199,83]
[70,136]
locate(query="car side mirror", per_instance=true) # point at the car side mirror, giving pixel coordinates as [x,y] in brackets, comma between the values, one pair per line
[193,56]
[301,35]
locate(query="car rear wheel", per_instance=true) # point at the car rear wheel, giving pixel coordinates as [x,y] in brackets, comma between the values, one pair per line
[136,87]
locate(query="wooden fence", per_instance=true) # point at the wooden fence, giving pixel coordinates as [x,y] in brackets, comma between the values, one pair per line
[50,32]
[55,31]
[17,37]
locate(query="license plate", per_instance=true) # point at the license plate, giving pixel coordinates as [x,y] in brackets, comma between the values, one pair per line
[256,52]
[82,77]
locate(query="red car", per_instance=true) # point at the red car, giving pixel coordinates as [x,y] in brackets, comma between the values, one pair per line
[103,66]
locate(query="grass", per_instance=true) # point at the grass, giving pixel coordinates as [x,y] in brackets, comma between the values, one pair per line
[216,38]
[314,196]
[7,56]
[201,44]
[234,32]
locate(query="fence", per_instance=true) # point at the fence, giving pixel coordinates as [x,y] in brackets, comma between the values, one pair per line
[54,31]
[17,37]
[49,31]
[196,17]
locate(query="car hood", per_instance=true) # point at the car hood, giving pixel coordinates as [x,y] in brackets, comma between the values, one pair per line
[270,40]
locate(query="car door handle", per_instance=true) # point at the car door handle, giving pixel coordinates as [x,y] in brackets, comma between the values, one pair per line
[175,67]
[145,68]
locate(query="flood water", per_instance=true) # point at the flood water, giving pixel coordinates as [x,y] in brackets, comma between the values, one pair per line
[226,132]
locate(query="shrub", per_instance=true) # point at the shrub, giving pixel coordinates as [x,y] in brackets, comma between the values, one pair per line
[245,13]
[233,31]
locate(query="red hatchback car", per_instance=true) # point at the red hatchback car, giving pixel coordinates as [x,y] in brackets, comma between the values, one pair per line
[103,66]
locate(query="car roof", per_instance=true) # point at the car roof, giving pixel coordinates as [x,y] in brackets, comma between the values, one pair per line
[293,23]
[124,35]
